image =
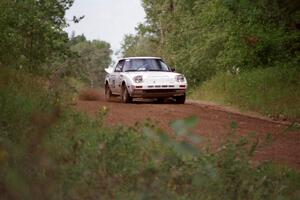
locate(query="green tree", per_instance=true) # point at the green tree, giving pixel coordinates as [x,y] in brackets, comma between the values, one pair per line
[88,60]
[139,45]
[32,32]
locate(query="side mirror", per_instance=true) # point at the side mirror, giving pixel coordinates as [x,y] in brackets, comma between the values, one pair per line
[173,69]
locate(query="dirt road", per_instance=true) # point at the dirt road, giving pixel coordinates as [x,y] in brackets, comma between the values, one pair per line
[214,124]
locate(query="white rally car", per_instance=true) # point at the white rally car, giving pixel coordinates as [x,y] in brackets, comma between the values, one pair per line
[144,77]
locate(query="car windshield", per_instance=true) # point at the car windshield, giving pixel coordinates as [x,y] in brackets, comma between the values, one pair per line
[145,65]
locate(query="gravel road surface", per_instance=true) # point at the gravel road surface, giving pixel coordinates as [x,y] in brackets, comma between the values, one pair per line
[214,124]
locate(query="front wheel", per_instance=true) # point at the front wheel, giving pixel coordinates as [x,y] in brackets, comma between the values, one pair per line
[180,99]
[126,98]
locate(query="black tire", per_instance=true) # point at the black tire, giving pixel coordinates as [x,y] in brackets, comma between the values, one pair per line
[126,98]
[108,93]
[180,99]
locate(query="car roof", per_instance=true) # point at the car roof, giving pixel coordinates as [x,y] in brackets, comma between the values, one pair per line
[141,57]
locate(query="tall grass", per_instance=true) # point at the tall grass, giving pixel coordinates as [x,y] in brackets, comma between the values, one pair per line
[271,91]
[49,151]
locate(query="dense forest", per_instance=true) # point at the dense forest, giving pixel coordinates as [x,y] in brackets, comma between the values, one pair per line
[231,50]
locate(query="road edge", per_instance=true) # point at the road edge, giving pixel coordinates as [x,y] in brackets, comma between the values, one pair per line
[236,111]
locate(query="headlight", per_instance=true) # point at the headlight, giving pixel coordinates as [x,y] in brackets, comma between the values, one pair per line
[180,78]
[138,79]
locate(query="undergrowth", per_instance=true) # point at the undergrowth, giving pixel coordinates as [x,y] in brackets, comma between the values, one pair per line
[273,91]
[49,151]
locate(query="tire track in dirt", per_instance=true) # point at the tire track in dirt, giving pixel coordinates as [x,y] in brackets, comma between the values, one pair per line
[214,124]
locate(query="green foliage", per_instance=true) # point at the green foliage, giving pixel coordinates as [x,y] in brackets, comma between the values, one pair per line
[88,60]
[32,39]
[139,46]
[271,91]
[32,32]
[20,95]
[73,156]
[201,38]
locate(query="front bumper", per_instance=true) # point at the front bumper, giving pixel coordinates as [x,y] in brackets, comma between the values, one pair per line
[157,93]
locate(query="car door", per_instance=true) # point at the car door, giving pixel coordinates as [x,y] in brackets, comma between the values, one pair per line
[115,78]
